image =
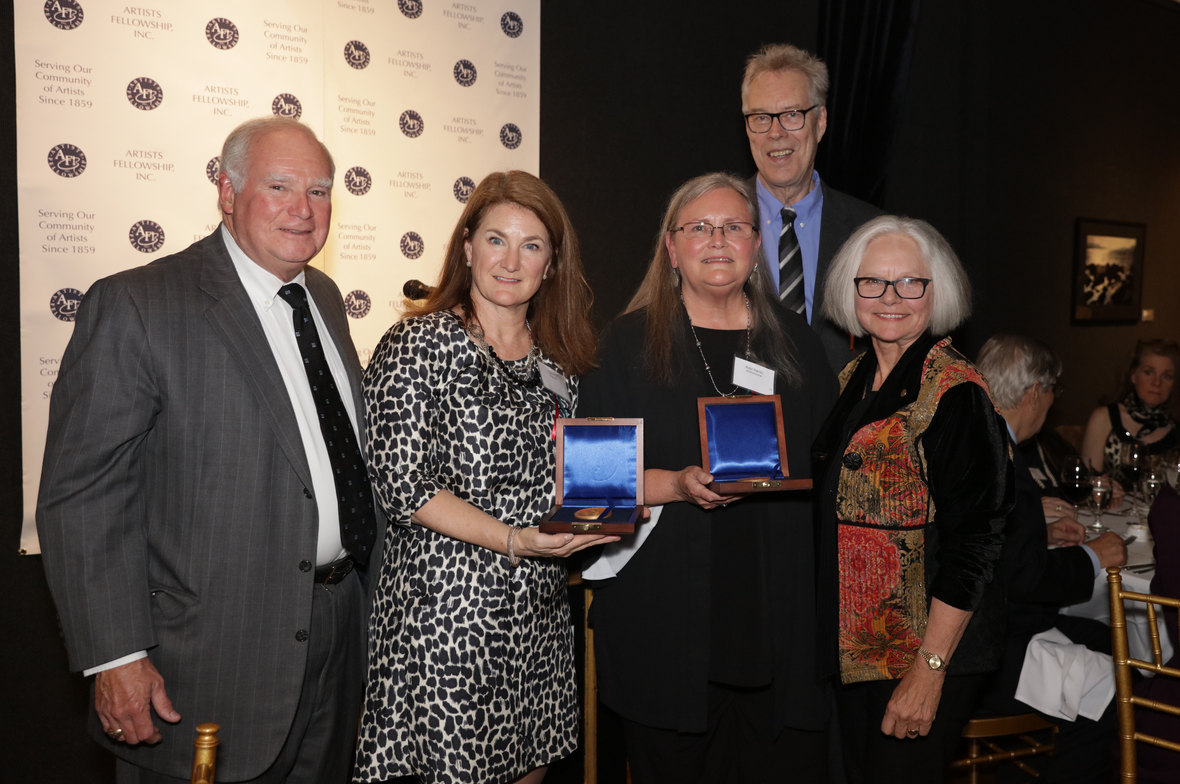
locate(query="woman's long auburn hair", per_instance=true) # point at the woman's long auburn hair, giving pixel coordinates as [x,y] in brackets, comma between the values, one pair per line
[559,313]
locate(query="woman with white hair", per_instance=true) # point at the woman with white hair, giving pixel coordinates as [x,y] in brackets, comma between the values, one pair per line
[913,480]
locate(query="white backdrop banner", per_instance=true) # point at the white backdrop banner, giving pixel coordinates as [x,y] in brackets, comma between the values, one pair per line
[121,111]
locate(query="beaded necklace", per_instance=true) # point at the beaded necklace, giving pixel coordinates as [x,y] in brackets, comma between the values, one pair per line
[709,371]
[530,366]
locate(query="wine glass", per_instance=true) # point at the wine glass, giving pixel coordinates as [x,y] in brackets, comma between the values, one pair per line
[1075,481]
[1100,492]
[1173,470]
[1153,482]
[1134,464]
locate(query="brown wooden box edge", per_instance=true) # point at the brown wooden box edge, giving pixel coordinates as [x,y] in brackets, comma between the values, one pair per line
[746,486]
[547,527]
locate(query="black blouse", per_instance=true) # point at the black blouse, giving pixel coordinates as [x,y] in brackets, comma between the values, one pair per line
[654,625]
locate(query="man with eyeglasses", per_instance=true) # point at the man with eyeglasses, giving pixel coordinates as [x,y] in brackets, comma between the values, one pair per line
[803,222]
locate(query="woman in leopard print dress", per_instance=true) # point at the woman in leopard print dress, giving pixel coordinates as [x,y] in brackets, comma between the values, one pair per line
[471,671]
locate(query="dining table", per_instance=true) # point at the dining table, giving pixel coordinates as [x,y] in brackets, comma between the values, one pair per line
[1127,520]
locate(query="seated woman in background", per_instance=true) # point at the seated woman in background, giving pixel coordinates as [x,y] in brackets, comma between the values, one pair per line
[914,483]
[705,640]
[1144,409]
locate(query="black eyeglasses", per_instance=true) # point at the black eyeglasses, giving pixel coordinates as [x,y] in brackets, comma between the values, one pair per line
[734,230]
[790,120]
[1057,388]
[906,288]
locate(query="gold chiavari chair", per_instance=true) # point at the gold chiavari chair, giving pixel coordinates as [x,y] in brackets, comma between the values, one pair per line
[1123,664]
[205,753]
[984,731]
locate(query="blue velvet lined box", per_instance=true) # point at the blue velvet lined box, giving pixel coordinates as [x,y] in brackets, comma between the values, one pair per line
[743,445]
[599,476]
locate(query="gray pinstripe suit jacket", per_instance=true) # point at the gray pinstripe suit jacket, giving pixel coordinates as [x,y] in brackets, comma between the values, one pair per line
[176,506]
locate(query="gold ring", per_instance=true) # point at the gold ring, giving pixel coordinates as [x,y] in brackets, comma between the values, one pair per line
[1059,507]
[115,734]
[911,733]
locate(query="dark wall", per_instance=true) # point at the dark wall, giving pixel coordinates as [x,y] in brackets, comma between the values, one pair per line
[636,98]
[1023,117]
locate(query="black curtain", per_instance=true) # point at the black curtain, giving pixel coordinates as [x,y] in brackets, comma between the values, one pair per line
[868,46]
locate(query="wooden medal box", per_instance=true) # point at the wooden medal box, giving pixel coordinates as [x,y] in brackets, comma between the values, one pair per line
[599,477]
[743,445]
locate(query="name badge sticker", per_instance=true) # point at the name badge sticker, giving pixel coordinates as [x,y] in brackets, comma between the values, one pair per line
[759,379]
[554,382]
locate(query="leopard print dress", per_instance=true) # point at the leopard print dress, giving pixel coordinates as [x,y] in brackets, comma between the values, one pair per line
[471,667]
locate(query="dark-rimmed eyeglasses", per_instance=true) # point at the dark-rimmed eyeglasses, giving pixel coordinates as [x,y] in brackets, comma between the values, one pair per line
[790,120]
[1057,388]
[734,230]
[906,288]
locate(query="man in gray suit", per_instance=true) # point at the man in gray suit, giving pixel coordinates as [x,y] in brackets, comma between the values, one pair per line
[203,501]
[803,221]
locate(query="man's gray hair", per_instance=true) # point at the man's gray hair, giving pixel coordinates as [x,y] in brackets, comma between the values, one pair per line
[1013,364]
[949,286]
[235,153]
[778,58]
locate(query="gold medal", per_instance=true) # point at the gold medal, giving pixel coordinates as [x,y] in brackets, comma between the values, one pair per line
[590,513]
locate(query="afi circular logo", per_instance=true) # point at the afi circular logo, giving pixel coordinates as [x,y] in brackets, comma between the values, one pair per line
[146,236]
[465,73]
[411,9]
[356,54]
[64,15]
[510,136]
[222,33]
[64,304]
[212,168]
[411,123]
[512,24]
[412,245]
[144,93]
[357,304]
[358,181]
[286,105]
[464,187]
[66,160]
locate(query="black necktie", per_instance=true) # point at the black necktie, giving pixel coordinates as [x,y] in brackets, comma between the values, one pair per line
[358,529]
[790,265]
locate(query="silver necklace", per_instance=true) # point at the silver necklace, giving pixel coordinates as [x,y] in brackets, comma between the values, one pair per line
[733,392]
[530,365]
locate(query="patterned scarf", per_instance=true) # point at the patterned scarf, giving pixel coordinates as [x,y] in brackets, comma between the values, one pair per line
[1152,419]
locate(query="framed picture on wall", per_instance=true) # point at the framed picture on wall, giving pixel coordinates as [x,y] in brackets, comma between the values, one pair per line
[1108,272]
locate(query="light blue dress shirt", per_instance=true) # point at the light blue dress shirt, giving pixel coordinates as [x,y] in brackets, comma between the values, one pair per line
[807,223]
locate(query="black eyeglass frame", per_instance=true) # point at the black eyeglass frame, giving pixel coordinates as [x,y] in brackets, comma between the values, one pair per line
[779,116]
[753,229]
[924,281]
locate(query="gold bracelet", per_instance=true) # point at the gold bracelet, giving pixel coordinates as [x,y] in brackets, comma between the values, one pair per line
[513,561]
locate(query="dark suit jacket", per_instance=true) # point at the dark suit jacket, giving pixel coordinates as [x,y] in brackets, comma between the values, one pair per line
[1039,581]
[842,215]
[176,508]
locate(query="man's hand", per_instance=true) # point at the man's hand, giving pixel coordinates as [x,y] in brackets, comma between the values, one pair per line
[1066,532]
[124,697]
[1110,549]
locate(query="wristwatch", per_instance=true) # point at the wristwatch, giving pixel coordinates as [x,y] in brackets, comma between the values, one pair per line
[933,660]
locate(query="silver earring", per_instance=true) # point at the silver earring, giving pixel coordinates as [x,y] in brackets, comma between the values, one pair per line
[675,277]
[545,275]
[469,264]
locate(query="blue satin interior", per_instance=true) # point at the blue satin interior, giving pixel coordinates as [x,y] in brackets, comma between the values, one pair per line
[743,441]
[599,468]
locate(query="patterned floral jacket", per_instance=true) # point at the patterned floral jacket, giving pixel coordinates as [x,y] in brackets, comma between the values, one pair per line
[914,485]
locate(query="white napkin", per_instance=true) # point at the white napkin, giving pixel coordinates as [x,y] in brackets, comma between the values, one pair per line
[614,556]
[1063,679]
